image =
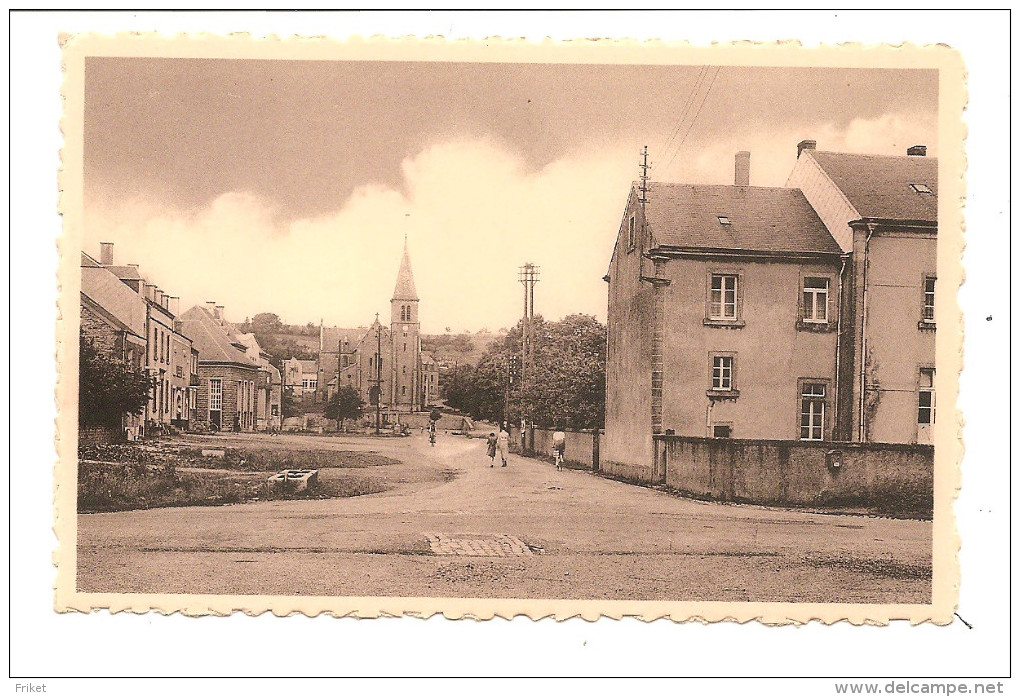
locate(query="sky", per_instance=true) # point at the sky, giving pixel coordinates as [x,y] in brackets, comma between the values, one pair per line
[290,187]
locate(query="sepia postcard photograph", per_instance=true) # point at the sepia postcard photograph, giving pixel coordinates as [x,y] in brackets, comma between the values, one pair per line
[407,326]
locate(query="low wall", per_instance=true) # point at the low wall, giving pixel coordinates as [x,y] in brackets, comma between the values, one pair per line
[885,477]
[99,435]
[579,447]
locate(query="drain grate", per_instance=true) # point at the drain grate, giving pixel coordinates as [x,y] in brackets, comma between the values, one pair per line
[468,545]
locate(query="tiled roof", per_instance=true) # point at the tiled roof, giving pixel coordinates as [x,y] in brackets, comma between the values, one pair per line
[107,291]
[738,218]
[308,366]
[331,337]
[130,272]
[878,186]
[212,339]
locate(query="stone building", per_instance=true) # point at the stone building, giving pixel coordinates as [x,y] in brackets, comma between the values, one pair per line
[269,388]
[228,379]
[384,363]
[883,212]
[801,313]
[170,355]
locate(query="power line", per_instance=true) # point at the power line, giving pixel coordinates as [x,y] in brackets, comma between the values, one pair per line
[695,119]
[686,107]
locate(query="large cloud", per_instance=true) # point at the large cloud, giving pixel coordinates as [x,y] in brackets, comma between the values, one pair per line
[471,211]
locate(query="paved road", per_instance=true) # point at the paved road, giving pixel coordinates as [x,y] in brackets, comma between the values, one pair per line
[451,526]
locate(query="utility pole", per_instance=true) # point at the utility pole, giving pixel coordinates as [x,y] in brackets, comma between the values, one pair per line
[528,276]
[378,374]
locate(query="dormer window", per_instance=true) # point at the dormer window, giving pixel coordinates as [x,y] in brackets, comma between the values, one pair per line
[921,188]
[724,220]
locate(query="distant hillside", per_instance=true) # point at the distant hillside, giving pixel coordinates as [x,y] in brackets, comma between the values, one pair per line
[466,348]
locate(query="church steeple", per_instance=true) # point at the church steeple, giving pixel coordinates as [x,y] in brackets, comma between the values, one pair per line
[404,289]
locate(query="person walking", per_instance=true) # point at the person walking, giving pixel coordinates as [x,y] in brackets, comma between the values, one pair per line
[559,446]
[490,449]
[503,442]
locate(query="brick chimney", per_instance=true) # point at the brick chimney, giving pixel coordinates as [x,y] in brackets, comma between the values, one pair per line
[175,305]
[219,312]
[917,150]
[106,253]
[157,297]
[210,307]
[150,292]
[806,145]
[742,168]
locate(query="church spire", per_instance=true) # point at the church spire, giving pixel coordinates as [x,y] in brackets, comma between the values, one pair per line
[404,289]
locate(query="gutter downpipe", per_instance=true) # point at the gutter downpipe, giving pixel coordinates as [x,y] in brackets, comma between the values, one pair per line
[839,333]
[862,430]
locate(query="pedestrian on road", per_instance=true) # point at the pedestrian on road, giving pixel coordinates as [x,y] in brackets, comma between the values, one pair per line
[490,449]
[503,441]
[559,446]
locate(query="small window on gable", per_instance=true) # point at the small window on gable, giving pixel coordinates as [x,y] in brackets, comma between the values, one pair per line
[921,188]
[724,220]
[631,233]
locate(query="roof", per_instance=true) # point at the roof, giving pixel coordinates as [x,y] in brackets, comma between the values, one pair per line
[107,291]
[331,337]
[404,289]
[761,219]
[878,186]
[212,339]
[130,272]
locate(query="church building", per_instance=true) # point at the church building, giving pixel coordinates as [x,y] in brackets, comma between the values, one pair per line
[382,362]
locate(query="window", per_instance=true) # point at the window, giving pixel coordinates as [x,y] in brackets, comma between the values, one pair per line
[631,233]
[928,306]
[180,371]
[724,220]
[403,389]
[921,188]
[405,345]
[816,300]
[926,397]
[722,431]
[722,373]
[309,383]
[812,411]
[215,394]
[723,297]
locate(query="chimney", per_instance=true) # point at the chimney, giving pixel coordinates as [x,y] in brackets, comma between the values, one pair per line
[157,297]
[166,302]
[150,292]
[175,305]
[806,145]
[218,314]
[742,169]
[210,306]
[106,253]
[917,150]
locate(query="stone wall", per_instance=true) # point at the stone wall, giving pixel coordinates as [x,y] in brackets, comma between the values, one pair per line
[885,477]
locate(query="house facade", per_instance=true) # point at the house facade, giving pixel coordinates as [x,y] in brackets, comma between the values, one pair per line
[171,358]
[269,387]
[228,379]
[883,212]
[803,313]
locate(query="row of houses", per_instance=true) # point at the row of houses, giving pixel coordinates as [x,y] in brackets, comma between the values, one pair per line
[800,313]
[206,375]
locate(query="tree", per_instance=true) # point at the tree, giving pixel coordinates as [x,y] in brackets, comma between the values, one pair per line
[344,404]
[266,323]
[565,386]
[108,387]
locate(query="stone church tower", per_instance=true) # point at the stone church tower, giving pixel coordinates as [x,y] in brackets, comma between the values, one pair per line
[405,337]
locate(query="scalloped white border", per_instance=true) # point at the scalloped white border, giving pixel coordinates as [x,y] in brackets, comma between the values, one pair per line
[949,446]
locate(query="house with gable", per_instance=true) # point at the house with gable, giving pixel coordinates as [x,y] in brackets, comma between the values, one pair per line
[883,212]
[227,376]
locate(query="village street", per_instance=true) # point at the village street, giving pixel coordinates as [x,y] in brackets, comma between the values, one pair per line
[452,526]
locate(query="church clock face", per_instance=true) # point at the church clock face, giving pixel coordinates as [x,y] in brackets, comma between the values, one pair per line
[405,328]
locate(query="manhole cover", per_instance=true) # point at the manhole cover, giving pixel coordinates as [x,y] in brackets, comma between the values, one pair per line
[467,545]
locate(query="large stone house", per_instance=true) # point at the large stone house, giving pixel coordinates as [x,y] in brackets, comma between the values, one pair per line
[228,378]
[758,313]
[268,390]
